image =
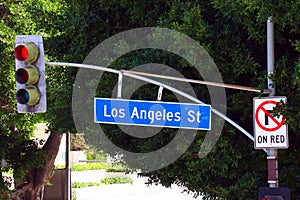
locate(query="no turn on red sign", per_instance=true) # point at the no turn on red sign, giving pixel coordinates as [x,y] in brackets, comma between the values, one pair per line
[269,131]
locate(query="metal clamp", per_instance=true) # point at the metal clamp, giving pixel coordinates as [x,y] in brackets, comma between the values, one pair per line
[159,94]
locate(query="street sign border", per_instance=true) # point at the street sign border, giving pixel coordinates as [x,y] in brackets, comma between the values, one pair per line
[254,123]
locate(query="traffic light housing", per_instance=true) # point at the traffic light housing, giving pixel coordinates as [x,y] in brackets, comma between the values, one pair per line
[30,74]
[267,193]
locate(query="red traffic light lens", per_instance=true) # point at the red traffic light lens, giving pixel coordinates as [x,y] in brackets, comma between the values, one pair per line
[21,52]
[24,52]
[28,52]
[22,76]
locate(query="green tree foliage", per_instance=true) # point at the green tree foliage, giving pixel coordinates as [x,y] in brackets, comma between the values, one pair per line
[234,34]
[16,148]
[18,151]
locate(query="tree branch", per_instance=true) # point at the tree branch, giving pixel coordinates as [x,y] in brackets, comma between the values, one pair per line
[50,148]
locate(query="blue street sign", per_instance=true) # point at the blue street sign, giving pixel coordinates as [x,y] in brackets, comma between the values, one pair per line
[152,113]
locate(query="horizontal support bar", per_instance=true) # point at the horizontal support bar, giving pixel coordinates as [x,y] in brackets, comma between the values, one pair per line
[237,87]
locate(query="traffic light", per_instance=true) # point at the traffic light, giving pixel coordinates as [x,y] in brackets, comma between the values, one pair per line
[267,193]
[30,74]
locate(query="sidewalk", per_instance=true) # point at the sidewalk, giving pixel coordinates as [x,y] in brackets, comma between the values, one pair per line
[136,191]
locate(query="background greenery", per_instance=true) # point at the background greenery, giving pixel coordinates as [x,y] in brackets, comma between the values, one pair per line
[109,167]
[105,181]
[234,34]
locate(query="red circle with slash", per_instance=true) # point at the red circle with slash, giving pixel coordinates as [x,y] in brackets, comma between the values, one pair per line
[274,119]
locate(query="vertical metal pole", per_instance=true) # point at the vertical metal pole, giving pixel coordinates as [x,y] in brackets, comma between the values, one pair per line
[270,53]
[120,82]
[68,194]
[272,153]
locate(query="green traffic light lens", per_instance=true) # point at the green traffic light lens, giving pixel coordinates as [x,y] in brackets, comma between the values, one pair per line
[29,95]
[23,96]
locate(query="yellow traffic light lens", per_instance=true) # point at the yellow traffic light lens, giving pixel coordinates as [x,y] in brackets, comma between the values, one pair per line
[28,75]
[28,52]
[29,95]
[22,76]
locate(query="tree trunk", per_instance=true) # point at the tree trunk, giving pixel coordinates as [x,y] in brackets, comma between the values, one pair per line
[33,183]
